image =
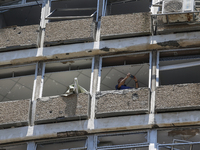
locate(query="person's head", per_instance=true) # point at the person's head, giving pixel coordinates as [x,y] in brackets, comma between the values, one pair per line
[120,79]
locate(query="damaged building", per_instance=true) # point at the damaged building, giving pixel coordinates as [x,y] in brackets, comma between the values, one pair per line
[60,61]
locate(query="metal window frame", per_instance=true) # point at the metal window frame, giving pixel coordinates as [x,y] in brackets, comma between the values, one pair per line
[144,144]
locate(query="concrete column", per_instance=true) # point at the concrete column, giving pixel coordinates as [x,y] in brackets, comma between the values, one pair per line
[31,146]
[92,142]
[153,139]
[37,88]
[93,93]
[153,88]
[46,8]
[98,21]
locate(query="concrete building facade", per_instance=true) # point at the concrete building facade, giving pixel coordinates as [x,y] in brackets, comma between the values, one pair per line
[45,44]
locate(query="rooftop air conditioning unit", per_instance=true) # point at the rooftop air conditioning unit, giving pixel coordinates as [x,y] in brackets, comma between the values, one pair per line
[177,6]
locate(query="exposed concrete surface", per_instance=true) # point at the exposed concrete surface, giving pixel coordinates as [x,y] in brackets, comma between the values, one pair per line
[164,28]
[125,25]
[101,125]
[51,109]
[70,31]
[121,102]
[14,113]
[19,37]
[178,97]
[124,45]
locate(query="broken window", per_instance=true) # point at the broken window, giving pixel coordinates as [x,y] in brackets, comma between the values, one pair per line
[116,7]
[14,147]
[115,67]
[72,9]
[17,83]
[22,16]
[179,139]
[59,75]
[177,68]
[120,141]
[78,144]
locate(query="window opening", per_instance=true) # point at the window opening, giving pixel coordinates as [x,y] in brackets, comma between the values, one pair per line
[179,69]
[114,68]
[72,9]
[116,7]
[16,83]
[179,139]
[79,144]
[121,141]
[23,16]
[59,75]
[178,135]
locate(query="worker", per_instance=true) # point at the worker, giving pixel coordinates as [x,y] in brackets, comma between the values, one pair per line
[121,82]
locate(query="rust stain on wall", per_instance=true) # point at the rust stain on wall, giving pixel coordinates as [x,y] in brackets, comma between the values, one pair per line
[71,133]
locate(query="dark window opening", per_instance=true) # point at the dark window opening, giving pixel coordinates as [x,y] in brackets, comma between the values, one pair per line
[72,8]
[116,7]
[179,68]
[20,16]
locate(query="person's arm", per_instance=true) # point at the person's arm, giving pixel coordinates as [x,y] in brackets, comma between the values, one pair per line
[136,82]
[123,80]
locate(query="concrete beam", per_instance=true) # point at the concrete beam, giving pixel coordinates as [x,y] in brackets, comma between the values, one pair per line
[101,125]
[146,43]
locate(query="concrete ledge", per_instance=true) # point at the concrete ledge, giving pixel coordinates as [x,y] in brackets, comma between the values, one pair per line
[19,37]
[177,23]
[58,108]
[122,102]
[178,97]
[70,31]
[14,113]
[127,25]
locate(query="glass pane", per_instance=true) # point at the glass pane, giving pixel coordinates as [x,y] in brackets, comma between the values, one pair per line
[179,136]
[179,75]
[120,139]
[61,145]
